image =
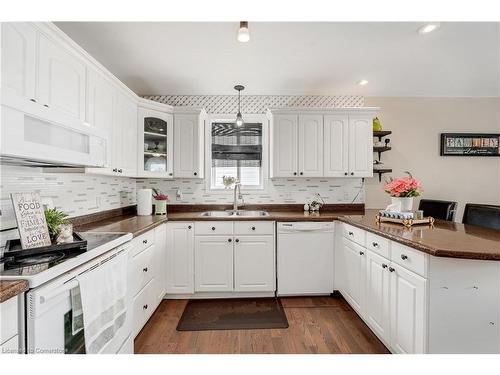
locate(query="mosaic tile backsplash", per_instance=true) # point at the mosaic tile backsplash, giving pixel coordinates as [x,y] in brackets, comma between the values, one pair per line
[349,190]
[75,193]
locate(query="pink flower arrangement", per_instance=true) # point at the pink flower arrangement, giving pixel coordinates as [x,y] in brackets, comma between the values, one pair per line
[404,187]
[161,197]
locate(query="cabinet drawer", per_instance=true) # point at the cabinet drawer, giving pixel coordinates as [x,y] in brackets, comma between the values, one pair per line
[144,305]
[409,258]
[9,322]
[253,227]
[377,244]
[143,241]
[213,227]
[143,264]
[355,234]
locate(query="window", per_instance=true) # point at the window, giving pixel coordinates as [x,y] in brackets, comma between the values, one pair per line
[237,152]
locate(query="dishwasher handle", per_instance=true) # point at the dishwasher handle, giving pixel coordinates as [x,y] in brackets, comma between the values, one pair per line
[300,227]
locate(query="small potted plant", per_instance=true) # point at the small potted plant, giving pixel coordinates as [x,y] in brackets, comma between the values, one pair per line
[60,229]
[402,191]
[160,202]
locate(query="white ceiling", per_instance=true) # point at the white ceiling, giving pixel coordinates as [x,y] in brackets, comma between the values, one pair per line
[459,59]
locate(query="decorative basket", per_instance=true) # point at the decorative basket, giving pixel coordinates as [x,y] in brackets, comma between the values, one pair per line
[406,222]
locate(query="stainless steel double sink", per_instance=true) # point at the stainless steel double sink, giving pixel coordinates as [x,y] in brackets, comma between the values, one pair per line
[237,213]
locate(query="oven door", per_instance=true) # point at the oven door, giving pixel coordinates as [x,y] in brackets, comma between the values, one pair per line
[49,320]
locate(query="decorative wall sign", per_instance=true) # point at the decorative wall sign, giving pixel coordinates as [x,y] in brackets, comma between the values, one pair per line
[470,144]
[30,218]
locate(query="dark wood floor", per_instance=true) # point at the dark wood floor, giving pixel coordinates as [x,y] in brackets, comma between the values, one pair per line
[317,325]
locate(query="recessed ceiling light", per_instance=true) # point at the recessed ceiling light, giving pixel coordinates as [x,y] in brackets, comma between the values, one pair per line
[429,28]
[243,33]
[363,82]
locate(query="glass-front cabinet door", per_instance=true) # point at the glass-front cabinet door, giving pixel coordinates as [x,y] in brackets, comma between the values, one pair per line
[155,144]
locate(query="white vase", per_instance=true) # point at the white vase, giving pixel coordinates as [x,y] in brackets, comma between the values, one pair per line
[406,203]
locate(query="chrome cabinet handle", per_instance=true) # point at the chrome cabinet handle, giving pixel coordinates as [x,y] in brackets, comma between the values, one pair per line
[384,265]
[404,257]
[391,269]
[145,269]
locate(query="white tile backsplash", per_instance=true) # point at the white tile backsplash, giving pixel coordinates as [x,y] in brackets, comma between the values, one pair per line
[334,190]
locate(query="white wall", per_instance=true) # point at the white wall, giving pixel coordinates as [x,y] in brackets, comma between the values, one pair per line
[416,124]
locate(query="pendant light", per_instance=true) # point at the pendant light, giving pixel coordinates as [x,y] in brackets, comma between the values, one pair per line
[239,118]
[243,33]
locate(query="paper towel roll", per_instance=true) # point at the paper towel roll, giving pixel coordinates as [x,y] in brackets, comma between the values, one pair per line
[144,202]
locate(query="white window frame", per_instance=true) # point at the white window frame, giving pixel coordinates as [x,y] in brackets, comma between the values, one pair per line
[255,118]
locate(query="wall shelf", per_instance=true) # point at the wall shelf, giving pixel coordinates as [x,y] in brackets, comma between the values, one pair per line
[381,171]
[380,149]
[381,133]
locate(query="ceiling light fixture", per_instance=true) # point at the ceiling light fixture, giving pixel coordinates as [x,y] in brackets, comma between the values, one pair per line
[239,118]
[429,28]
[243,33]
[363,82]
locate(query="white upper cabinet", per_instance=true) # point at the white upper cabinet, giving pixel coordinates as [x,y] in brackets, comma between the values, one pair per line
[360,146]
[125,137]
[310,145]
[155,143]
[321,143]
[284,145]
[18,79]
[336,140]
[189,128]
[101,97]
[61,81]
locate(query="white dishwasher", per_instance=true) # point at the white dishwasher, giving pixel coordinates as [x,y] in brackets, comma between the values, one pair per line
[305,258]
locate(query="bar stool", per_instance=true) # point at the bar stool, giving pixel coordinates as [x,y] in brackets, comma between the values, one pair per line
[483,215]
[444,210]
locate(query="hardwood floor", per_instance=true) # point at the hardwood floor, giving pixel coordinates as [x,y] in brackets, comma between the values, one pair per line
[317,325]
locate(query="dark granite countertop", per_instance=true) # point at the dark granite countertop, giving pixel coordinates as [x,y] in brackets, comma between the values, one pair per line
[9,289]
[444,239]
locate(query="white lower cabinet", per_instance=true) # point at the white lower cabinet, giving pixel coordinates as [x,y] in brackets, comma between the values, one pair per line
[377,295]
[180,258]
[408,311]
[391,299]
[254,265]
[214,264]
[354,259]
[160,260]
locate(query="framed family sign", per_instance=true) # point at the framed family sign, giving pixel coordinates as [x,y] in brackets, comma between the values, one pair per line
[470,144]
[33,231]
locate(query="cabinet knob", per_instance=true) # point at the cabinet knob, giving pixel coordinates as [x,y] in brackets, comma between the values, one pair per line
[145,307]
[229,240]
[384,265]
[196,174]
[189,226]
[295,173]
[237,240]
[391,269]
[170,174]
[345,173]
[301,173]
[404,257]
[361,253]
[351,234]
[115,170]
[33,100]
[352,173]
[46,105]
[213,228]
[145,269]
[120,170]
[375,244]
[144,241]
[253,228]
